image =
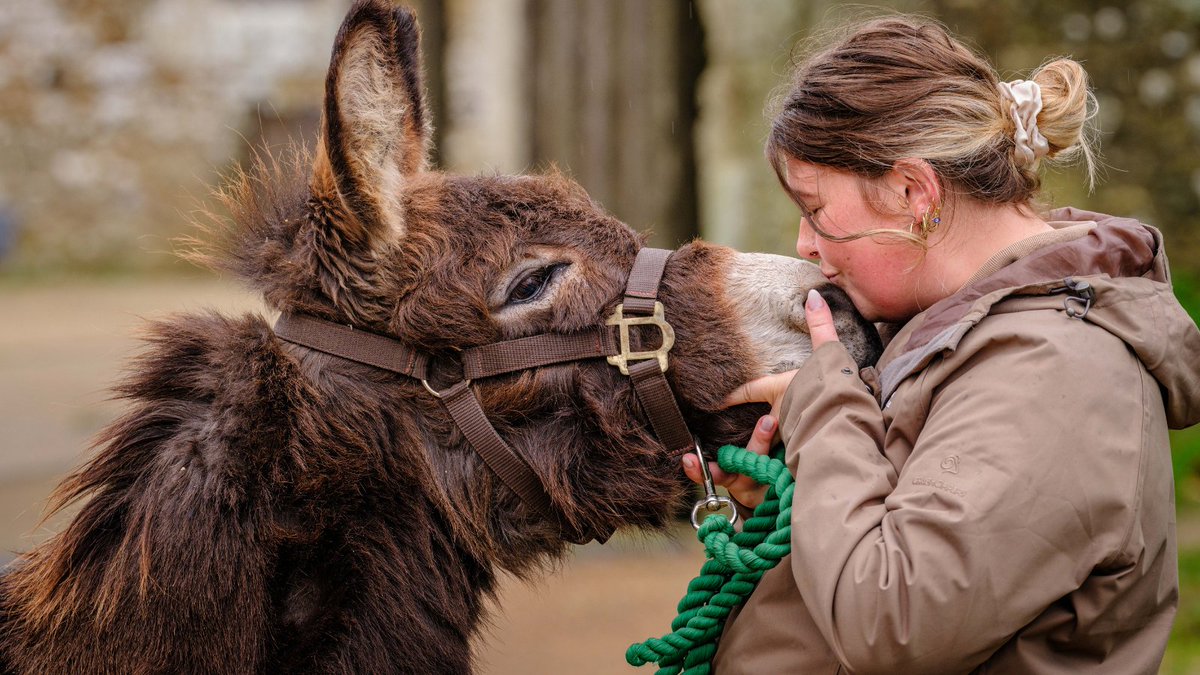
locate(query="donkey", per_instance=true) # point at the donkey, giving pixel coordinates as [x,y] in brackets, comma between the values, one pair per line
[266,506]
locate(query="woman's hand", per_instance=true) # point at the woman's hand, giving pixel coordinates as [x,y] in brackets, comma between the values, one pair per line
[746,491]
[769,389]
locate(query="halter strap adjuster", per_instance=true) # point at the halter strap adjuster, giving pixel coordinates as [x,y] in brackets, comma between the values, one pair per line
[622,322]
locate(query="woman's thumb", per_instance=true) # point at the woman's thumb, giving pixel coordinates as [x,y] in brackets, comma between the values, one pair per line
[819,319]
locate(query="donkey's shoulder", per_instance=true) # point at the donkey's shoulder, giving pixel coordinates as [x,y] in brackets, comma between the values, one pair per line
[211,399]
[180,523]
[242,404]
[225,389]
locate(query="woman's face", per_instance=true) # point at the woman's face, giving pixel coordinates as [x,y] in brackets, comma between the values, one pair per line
[879,273]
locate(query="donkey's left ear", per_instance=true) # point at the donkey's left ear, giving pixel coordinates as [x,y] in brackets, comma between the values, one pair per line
[375,130]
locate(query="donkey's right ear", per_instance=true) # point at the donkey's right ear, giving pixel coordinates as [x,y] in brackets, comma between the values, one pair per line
[375,130]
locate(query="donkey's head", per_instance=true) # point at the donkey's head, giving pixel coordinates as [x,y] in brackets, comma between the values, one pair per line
[363,233]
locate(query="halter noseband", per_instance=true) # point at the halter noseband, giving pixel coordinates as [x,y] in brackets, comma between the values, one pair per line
[647,370]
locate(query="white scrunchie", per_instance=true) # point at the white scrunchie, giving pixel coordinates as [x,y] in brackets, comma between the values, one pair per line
[1024,99]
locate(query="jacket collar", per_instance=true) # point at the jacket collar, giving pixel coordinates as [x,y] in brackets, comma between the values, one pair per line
[1116,247]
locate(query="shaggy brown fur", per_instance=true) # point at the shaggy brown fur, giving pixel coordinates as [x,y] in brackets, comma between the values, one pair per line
[263,507]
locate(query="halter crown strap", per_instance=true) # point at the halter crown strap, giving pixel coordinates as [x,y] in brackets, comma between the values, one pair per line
[641,291]
[361,346]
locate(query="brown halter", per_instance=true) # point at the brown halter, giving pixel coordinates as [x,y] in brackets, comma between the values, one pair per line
[640,306]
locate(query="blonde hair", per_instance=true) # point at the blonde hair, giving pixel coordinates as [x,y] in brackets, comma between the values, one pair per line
[902,87]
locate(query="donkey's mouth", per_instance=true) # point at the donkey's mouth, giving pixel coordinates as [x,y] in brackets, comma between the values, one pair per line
[860,336]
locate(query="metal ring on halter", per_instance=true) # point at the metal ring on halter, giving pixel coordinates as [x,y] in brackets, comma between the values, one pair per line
[712,502]
[431,390]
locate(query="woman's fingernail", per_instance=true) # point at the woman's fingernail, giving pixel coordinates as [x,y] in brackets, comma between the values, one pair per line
[766,424]
[689,462]
[815,301]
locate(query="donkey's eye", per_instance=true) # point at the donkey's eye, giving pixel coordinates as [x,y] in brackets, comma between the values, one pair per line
[531,286]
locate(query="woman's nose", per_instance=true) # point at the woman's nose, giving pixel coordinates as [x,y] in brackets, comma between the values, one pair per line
[806,242]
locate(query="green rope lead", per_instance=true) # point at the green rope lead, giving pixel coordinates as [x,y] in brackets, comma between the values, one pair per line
[736,561]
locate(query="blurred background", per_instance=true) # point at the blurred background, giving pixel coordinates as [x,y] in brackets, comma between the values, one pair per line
[117,117]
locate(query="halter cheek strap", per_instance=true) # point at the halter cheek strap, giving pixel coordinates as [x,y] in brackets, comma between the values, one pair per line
[640,306]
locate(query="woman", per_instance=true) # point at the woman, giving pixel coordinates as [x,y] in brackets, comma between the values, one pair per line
[996,494]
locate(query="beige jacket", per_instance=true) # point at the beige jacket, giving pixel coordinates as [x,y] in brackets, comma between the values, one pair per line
[1009,507]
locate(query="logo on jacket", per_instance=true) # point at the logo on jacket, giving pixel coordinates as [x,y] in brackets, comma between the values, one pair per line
[940,485]
[950,464]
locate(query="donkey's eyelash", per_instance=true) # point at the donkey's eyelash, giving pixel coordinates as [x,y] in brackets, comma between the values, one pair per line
[531,286]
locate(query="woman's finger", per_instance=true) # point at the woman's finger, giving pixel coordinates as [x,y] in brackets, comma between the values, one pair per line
[764,435]
[819,319]
[744,489]
[767,389]
[691,468]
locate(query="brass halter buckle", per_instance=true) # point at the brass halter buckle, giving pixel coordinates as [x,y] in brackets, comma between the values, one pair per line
[619,319]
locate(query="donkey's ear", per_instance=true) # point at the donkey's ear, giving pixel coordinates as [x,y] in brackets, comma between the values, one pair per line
[375,130]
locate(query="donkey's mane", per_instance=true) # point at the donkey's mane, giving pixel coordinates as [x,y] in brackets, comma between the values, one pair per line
[257,214]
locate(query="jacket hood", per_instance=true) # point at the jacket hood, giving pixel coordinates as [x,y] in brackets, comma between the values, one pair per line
[1115,276]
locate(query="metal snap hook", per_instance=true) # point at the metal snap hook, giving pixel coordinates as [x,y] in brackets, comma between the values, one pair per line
[712,502]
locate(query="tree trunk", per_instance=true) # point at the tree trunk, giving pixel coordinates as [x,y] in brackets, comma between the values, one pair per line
[614,105]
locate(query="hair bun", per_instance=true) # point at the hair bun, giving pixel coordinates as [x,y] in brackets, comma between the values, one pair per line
[1067,104]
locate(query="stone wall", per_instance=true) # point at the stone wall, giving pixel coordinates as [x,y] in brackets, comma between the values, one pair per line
[118,116]
[115,116]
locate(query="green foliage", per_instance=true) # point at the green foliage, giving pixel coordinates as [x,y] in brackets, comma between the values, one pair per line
[1185,445]
[1185,459]
[1183,649]
[1187,289]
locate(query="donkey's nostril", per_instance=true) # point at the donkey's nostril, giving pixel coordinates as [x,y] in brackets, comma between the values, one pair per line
[797,319]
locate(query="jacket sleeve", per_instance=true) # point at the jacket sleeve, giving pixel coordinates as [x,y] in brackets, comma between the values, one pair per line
[1002,508]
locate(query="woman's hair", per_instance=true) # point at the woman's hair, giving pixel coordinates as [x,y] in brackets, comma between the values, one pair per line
[903,87]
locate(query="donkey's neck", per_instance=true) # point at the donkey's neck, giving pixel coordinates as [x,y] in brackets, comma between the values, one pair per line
[411,563]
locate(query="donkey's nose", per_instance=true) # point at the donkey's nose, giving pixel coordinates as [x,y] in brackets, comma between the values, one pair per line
[767,292]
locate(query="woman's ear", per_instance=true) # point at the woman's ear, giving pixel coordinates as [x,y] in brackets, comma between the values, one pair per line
[916,181]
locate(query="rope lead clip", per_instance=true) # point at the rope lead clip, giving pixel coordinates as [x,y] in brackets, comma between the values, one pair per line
[712,502]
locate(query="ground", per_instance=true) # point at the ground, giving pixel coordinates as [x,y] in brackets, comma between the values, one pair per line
[63,343]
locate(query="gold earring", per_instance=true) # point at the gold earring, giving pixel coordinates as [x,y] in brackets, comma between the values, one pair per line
[931,219]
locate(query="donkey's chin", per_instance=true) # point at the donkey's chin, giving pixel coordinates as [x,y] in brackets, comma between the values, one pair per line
[784,365]
[731,426]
